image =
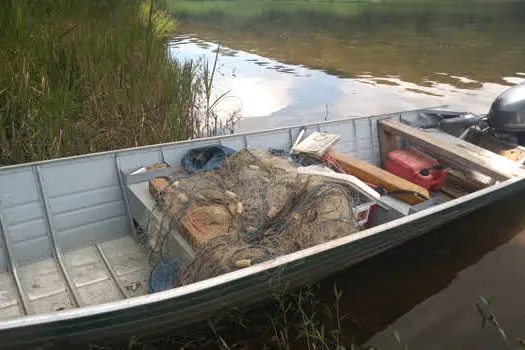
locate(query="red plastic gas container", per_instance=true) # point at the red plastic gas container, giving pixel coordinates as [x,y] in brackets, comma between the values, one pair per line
[417,167]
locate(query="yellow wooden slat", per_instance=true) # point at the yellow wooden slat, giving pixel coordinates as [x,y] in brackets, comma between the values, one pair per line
[370,173]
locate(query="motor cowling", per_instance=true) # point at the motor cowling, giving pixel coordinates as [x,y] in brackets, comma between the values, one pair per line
[507,113]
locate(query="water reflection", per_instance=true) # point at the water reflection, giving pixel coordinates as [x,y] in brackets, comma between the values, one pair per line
[472,257]
[362,58]
[409,40]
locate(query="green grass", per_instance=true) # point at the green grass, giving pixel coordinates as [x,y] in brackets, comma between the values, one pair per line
[295,320]
[292,320]
[85,76]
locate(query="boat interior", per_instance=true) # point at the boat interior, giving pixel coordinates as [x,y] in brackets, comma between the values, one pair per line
[71,228]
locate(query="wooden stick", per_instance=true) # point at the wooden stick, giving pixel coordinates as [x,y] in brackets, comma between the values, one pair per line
[370,173]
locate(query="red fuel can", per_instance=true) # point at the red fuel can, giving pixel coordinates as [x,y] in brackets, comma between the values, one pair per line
[417,167]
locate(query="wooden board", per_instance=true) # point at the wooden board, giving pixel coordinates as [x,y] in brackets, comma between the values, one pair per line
[387,143]
[451,150]
[199,223]
[370,173]
[202,223]
[493,144]
[469,182]
[458,185]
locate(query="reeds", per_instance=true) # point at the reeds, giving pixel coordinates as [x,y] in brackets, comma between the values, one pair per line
[296,320]
[85,76]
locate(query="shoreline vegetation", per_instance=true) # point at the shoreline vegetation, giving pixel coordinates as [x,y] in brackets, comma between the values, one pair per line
[87,76]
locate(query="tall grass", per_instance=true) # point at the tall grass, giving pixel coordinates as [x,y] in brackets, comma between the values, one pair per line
[83,76]
[296,320]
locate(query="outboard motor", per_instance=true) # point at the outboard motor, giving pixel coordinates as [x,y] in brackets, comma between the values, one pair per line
[453,123]
[506,119]
[507,115]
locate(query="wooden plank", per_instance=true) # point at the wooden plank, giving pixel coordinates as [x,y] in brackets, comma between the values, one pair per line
[199,223]
[387,143]
[455,151]
[202,223]
[469,181]
[370,173]
[458,185]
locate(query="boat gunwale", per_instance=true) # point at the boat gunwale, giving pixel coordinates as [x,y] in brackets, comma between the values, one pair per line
[144,300]
[139,149]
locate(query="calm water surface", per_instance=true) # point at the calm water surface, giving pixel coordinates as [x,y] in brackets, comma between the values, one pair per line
[296,62]
[289,63]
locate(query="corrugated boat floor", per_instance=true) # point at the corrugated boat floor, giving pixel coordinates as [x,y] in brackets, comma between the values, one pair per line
[100,273]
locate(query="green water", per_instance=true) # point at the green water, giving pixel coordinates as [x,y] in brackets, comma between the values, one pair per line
[413,41]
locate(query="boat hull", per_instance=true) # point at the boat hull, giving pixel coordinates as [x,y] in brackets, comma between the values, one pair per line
[52,188]
[167,312]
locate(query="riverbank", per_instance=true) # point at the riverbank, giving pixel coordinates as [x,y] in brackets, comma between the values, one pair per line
[88,76]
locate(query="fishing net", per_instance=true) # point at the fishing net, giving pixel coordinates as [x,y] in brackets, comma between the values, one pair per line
[255,207]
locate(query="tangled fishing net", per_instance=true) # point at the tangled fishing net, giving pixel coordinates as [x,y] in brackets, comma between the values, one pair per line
[255,207]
